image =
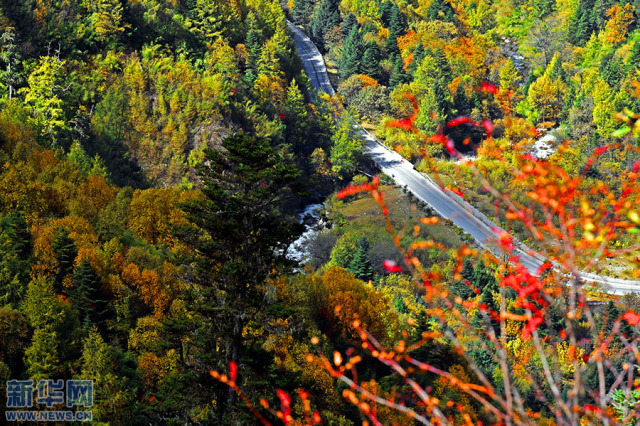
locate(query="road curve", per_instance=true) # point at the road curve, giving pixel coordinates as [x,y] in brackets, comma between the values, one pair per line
[446,203]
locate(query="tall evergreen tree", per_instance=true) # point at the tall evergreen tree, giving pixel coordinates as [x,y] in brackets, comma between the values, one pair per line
[385,12]
[253,41]
[440,10]
[65,251]
[239,234]
[87,295]
[302,10]
[634,57]
[460,288]
[352,50]
[15,258]
[397,27]
[418,55]
[360,266]
[399,75]
[326,17]
[461,101]
[482,277]
[583,23]
[371,60]
[348,24]
[399,305]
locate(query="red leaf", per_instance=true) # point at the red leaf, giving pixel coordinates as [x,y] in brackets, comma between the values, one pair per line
[593,408]
[505,241]
[458,121]
[405,123]
[391,266]
[488,126]
[285,404]
[532,325]
[602,150]
[441,139]
[316,417]
[233,371]
[488,87]
[349,190]
[631,317]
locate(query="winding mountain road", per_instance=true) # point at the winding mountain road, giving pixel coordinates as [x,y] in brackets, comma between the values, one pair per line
[446,203]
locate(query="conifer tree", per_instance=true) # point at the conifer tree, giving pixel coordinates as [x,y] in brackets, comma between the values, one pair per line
[397,28]
[418,55]
[239,235]
[461,101]
[65,251]
[385,12]
[399,305]
[460,288]
[634,57]
[302,10]
[371,60]
[15,259]
[440,10]
[253,41]
[87,295]
[351,54]
[399,75]
[325,18]
[360,266]
[348,24]
[482,277]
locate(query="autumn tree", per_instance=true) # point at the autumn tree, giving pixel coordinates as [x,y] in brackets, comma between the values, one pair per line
[43,97]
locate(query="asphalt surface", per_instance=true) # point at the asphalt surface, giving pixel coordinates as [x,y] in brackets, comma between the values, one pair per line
[446,203]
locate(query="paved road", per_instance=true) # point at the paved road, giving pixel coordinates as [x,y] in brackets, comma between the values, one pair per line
[446,203]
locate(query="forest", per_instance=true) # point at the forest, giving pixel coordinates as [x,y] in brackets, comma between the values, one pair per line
[155,156]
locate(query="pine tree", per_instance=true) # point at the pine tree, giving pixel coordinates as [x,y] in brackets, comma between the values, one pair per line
[295,102]
[482,277]
[418,55]
[583,23]
[460,288]
[239,234]
[302,10]
[634,57]
[325,18]
[348,24]
[385,12]
[65,251]
[253,42]
[440,10]
[398,76]
[461,101]
[612,72]
[399,305]
[87,295]
[397,28]
[442,98]
[360,266]
[371,60]
[15,259]
[351,54]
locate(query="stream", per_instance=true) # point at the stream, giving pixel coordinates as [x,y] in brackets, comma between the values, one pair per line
[297,250]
